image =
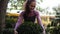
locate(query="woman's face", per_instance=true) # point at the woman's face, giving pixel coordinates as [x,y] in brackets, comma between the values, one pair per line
[32,6]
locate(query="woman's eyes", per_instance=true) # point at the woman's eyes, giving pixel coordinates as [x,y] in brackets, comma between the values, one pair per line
[32,6]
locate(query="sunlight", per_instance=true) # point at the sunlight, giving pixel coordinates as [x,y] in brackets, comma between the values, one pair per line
[49,3]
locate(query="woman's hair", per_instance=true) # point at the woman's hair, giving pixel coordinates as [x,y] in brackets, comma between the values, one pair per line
[27,9]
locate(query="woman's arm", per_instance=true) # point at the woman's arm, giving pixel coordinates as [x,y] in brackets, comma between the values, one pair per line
[19,22]
[40,22]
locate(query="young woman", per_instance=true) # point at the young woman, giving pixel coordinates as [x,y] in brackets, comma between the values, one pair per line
[29,14]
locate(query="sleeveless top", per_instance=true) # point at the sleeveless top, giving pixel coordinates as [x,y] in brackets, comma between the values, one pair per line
[31,18]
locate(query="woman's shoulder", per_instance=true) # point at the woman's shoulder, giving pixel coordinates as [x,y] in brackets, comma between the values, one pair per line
[22,12]
[36,12]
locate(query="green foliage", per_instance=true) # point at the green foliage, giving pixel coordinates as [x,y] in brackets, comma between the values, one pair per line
[29,28]
[10,22]
[16,4]
[54,27]
[8,31]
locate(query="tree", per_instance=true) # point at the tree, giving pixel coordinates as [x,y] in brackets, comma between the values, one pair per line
[3,7]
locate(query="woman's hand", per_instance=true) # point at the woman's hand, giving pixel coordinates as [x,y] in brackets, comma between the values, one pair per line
[44,32]
[15,32]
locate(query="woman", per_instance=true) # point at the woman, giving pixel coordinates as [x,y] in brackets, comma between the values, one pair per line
[29,14]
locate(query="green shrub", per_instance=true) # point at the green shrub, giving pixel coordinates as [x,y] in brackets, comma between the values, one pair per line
[10,22]
[8,31]
[30,28]
[54,27]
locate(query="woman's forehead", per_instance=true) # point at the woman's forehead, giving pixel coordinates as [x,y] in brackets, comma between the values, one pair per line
[33,3]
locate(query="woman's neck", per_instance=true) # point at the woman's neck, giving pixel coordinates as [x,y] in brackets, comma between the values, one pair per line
[31,14]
